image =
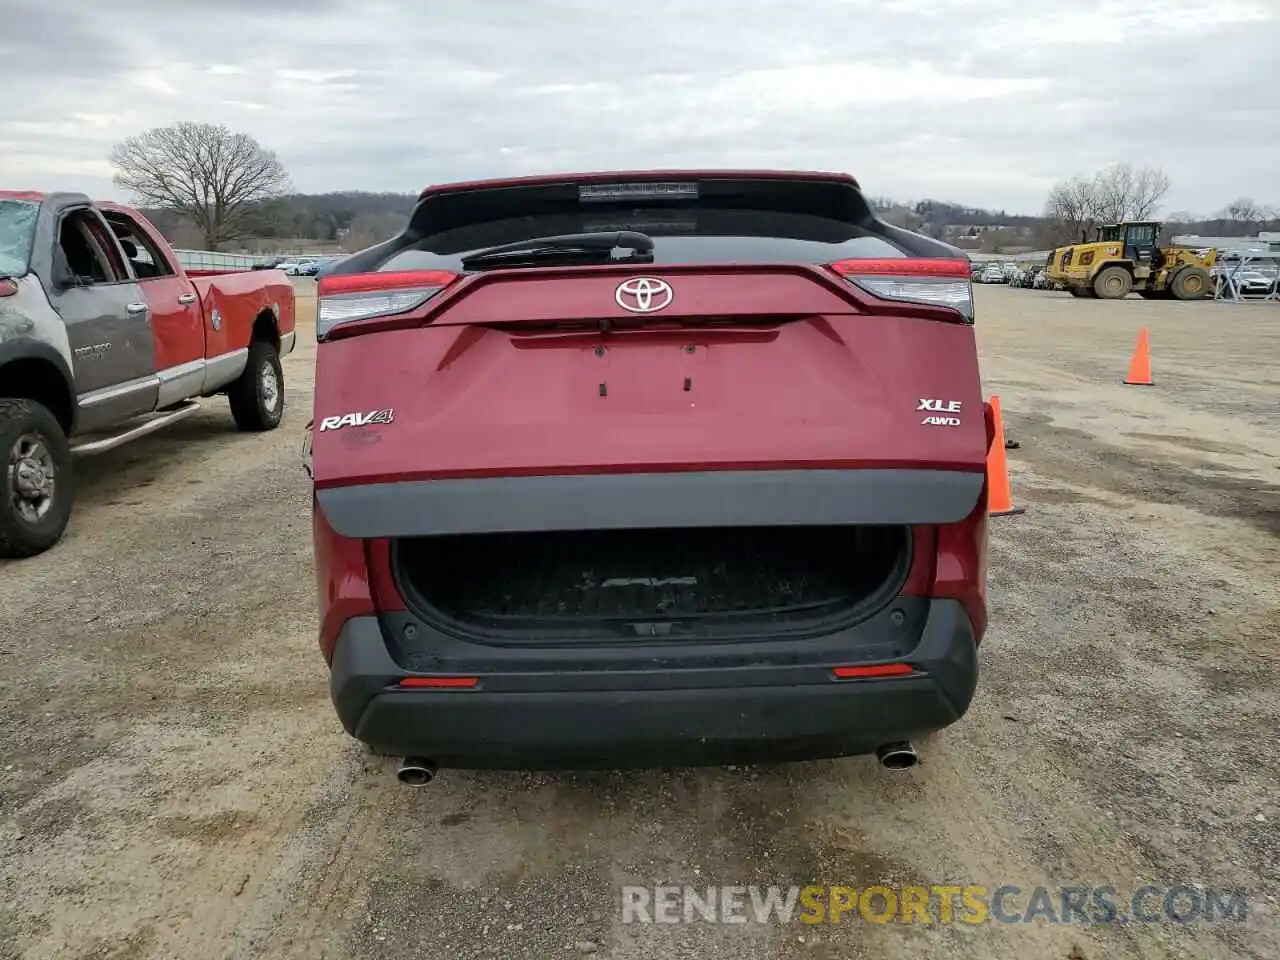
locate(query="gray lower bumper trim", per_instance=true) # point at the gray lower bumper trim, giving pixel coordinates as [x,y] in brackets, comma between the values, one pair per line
[639,500]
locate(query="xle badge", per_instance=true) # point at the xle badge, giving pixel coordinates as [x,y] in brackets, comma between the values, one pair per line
[936,407]
[358,419]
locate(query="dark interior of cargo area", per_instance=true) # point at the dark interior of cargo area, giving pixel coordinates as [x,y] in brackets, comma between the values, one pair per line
[730,583]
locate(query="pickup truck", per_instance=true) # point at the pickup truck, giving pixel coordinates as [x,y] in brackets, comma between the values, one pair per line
[105,338]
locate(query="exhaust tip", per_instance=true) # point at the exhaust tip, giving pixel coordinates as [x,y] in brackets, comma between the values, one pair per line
[897,756]
[416,772]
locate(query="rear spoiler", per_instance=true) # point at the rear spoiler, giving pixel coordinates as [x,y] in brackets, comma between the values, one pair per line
[450,206]
[832,196]
[634,176]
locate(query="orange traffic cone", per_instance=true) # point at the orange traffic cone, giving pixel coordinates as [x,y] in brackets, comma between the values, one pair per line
[1140,365]
[999,495]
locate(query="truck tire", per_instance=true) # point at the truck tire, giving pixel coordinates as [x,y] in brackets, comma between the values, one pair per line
[37,494]
[1190,283]
[1112,283]
[257,397]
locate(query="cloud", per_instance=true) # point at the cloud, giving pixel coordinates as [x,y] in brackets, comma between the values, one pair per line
[986,103]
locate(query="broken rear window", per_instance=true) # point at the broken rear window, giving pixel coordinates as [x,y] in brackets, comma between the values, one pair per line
[17,230]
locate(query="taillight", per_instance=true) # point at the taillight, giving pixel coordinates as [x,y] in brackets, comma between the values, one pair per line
[936,283]
[8,287]
[359,298]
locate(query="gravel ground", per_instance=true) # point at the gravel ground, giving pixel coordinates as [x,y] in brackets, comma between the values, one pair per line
[173,781]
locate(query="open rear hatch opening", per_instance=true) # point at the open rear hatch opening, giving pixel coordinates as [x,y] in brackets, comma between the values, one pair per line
[735,583]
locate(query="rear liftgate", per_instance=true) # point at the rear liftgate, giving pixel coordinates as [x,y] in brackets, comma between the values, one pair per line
[604,507]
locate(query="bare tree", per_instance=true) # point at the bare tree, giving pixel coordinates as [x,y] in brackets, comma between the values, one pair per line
[1150,186]
[997,240]
[369,228]
[1116,193]
[204,171]
[1244,210]
[1129,193]
[900,215]
[1072,209]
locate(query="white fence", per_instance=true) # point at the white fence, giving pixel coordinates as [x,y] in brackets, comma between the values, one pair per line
[211,260]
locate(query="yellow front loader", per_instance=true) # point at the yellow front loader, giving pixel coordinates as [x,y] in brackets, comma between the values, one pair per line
[1124,258]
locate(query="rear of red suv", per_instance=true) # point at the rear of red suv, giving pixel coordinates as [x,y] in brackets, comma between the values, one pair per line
[647,469]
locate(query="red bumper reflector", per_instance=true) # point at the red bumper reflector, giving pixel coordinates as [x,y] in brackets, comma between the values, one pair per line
[440,683]
[873,670]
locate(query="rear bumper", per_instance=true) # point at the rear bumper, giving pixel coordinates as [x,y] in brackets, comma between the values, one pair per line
[647,717]
[287,342]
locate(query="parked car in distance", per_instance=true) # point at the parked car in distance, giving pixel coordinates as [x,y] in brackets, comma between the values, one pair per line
[1027,276]
[312,268]
[1249,281]
[295,266]
[992,273]
[573,501]
[327,265]
[104,338]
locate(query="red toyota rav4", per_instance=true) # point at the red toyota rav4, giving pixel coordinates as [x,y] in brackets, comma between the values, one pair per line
[648,469]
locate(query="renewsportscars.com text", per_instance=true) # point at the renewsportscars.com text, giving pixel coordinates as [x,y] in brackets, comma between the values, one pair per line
[943,904]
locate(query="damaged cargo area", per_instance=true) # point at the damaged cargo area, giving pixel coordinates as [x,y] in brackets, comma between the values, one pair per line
[730,582]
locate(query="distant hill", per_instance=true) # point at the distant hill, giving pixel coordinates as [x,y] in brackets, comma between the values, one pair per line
[353,219]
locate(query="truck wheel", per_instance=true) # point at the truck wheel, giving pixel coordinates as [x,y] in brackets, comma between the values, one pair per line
[36,502]
[1112,283]
[257,397]
[1190,283]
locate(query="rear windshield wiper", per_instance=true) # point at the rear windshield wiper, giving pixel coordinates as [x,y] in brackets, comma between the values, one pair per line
[565,246]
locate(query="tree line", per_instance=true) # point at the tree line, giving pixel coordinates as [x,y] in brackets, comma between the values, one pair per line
[208,186]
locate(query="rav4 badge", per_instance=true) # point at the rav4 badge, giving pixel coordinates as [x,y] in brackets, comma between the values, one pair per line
[358,419]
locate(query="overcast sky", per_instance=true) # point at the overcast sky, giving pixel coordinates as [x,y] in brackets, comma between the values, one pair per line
[979,102]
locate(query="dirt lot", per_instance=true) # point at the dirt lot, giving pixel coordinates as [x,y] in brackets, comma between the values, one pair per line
[174,783]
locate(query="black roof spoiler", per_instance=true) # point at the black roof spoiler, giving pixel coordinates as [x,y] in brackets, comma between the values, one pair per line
[450,206]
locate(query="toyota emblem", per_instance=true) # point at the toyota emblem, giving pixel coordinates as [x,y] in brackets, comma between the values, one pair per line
[643,294]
